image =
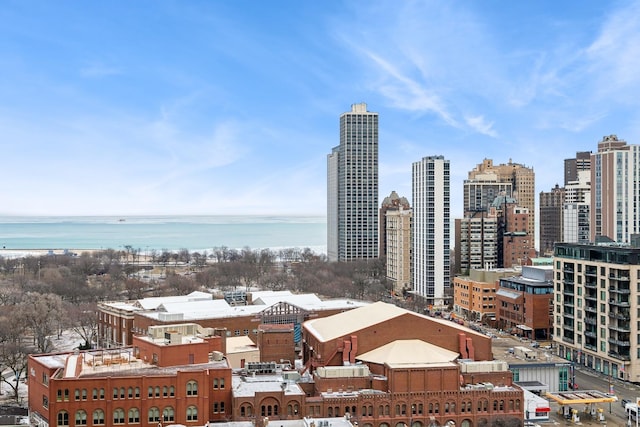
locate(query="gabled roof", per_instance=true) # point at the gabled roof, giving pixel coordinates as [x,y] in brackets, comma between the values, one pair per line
[409,353]
[345,323]
[328,328]
[153,303]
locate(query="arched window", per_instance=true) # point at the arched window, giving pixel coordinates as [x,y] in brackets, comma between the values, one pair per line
[192,413]
[172,391]
[465,423]
[157,390]
[76,394]
[63,418]
[452,407]
[221,383]
[215,383]
[101,394]
[330,412]
[118,416]
[154,414]
[192,388]
[130,392]
[98,417]
[134,416]
[165,391]
[137,391]
[150,392]
[94,394]
[115,393]
[436,408]
[122,395]
[84,394]
[81,418]
[168,414]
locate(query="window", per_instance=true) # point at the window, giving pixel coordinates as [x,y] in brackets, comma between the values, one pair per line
[115,393]
[130,392]
[134,416]
[98,417]
[221,383]
[215,383]
[157,390]
[172,391]
[154,414]
[192,388]
[192,413]
[63,418]
[45,402]
[150,392]
[122,394]
[165,391]
[167,414]
[137,391]
[45,379]
[101,394]
[81,418]
[84,394]
[118,416]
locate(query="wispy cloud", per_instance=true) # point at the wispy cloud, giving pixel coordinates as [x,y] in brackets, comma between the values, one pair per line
[480,125]
[98,69]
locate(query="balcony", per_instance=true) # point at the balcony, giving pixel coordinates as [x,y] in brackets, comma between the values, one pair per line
[590,285]
[589,309]
[590,334]
[619,303]
[621,328]
[620,315]
[620,291]
[619,356]
[619,343]
[590,321]
[619,278]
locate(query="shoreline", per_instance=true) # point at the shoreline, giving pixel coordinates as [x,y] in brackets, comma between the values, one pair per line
[24,253]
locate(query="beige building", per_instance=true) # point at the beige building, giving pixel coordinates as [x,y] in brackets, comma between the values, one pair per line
[398,246]
[474,295]
[596,307]
[487,181]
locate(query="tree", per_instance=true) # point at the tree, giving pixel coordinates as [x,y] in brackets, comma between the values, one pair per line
[83,320]
[43,314]
[13,349]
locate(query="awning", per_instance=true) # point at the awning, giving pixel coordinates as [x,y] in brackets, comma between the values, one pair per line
[524,328]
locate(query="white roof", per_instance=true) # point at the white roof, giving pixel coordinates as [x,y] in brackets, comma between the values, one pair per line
[341,324]
[300,300]
[409,353]
[154,302]
[338,325]
[193,307]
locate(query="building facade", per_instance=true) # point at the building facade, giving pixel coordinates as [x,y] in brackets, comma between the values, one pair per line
[474,294]
[476,241]
[615,180]
[551,218]
[398,230]
[525,303]
[596,307]
[392,202]
[577,208]
[572,167]
[487,181]
[352,188]
[431,228]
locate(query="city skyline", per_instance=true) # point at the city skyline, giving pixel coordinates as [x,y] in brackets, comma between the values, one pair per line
[166,108]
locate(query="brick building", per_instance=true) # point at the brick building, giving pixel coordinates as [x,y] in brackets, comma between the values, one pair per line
[387,366]
[525,302]
[118,321]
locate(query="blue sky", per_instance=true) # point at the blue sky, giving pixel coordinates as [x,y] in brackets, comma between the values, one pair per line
[230,107]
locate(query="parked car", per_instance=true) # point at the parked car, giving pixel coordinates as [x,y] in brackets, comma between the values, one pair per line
[624,402]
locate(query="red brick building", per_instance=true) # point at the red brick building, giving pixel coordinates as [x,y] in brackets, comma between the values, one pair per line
[119,321]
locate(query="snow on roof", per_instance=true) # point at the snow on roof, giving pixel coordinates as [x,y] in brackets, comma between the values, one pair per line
[250,385]
[300,300]
[199,306]
[262,294]
[328,328]
[410,353]
[153,303]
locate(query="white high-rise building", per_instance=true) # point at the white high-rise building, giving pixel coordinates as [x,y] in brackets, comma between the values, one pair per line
[431,230]
[352,188]
[615,195]
[576,209]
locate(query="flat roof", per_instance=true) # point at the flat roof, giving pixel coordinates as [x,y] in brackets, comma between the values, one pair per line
[581,397]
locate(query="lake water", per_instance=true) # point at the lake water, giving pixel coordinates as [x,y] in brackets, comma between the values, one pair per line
[195,233]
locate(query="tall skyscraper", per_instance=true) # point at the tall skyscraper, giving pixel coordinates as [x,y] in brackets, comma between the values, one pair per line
[352,188]
[431,219]
[615,194]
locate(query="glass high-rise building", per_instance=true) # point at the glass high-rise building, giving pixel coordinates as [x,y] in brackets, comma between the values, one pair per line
[352,188]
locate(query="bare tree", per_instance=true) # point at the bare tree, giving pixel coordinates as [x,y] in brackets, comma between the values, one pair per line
[13,350]
[83,320]
[42,314]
